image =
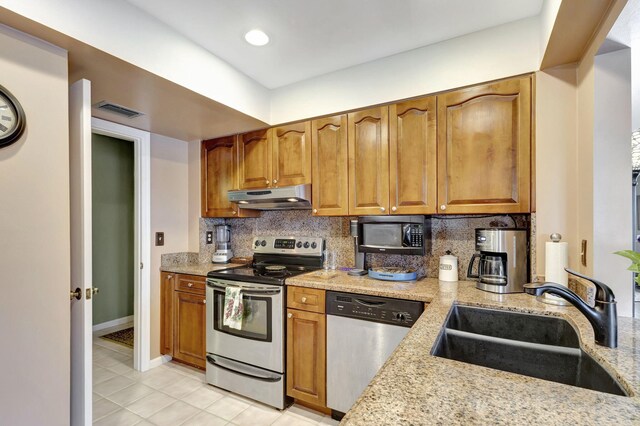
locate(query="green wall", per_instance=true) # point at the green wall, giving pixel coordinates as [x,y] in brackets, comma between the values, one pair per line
[113,227]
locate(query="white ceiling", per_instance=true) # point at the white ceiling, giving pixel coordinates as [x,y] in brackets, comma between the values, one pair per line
[315,37]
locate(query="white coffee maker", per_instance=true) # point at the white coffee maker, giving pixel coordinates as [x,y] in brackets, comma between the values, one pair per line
[223,253]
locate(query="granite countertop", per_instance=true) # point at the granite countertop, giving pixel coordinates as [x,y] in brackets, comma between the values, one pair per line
[197,268]
[415,388]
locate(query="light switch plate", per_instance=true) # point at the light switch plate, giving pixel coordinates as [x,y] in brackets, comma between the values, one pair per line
[159,238]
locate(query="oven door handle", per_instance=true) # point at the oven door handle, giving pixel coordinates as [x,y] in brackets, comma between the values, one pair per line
[248,290]
[270,378]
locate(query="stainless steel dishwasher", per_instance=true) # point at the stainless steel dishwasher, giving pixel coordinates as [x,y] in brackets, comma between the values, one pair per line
[362,332]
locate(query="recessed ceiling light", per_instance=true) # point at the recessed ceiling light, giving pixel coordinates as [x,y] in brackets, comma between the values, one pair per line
[256,38]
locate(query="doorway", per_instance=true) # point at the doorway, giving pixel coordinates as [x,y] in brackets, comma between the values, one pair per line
[126,149]
[113,205]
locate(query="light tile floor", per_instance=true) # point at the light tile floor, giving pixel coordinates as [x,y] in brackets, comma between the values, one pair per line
[174,394]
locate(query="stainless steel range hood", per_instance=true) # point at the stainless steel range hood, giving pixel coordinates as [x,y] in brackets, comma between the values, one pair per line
[296,197]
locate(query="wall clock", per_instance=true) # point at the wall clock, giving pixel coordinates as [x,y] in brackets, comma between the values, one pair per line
[12,118]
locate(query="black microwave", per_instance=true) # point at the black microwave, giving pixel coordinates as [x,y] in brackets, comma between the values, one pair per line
[393,234]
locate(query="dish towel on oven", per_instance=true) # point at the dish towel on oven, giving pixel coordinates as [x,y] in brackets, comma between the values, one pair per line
[233,308]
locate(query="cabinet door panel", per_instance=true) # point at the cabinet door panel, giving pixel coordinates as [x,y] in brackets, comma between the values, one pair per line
[306,358]
[167,284]
[219,162]
[291,147]
[254,151]
[484,145]
[330,166]
[369,161]
[412,157]
[189,328]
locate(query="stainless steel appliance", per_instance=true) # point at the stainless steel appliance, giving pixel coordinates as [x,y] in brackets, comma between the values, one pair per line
[394,234]
[284,198]
[223,253]
[503,260]
[362,332]
[359,257]
[250,361]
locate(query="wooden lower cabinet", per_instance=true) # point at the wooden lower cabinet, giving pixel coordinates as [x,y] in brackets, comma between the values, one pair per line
[167,285]
[183,318]
[306,356]
[189,328]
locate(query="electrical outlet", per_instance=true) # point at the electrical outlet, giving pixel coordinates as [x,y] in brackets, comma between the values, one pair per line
[159,238]
[209,237]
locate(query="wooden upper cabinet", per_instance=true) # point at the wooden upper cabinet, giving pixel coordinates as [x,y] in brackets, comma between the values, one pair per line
[330,189]
[484,148]
[219,160]
[254,162]
[291,150]
[412,157]
[369,161]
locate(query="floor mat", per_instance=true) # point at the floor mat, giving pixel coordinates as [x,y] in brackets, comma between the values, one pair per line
[124,337]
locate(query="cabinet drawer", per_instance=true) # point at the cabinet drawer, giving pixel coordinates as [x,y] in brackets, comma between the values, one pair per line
[191,284]
[306,299]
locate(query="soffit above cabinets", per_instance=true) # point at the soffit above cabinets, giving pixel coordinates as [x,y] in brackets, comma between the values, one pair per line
[341,33]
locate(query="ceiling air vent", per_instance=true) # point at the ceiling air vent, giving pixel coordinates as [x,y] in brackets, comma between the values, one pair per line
[117,109]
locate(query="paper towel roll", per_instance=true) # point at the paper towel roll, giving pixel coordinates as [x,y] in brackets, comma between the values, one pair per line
[556,259]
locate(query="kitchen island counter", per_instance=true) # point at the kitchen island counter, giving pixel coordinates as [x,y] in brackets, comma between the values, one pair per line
[416,388]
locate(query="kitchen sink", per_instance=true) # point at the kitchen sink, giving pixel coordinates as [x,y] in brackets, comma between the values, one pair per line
[538,346]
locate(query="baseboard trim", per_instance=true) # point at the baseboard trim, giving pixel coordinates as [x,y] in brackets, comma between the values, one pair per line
[124,321]
[156,362]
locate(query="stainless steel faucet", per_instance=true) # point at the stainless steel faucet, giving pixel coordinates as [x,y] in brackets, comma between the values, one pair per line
[603,317]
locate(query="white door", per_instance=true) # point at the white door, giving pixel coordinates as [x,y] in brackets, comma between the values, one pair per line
[81,310]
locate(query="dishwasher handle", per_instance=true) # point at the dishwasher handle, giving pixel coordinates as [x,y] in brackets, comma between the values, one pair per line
[369,303]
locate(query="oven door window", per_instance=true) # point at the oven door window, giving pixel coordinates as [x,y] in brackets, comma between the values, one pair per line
[256,324]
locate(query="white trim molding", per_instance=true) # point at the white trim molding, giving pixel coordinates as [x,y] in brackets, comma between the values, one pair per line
[114,324]
[142,235]
[157,362]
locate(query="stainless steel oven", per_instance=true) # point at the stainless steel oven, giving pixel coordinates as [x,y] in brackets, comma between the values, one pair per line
[251,360]
[248,361]
[260,342]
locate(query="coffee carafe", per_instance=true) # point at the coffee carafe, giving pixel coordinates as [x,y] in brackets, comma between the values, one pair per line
[503,260]
[223,252]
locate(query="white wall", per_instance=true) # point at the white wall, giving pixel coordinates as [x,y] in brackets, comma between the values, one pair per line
[34,238]
[612,174]
[556,161]
[124,31]
[169,214]
[194,196]
[491,54]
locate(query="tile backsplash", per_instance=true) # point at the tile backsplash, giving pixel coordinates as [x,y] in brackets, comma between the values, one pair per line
[454,233]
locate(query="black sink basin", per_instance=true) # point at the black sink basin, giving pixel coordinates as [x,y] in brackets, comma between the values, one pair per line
[533,345]
[541,329]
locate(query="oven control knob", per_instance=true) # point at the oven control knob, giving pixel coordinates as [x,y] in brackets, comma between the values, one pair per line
[257,243]
[400,317]
[299,244]
[263,243]
[314,245]
[306,244]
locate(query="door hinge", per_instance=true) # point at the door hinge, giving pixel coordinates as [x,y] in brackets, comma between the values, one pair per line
[141,265]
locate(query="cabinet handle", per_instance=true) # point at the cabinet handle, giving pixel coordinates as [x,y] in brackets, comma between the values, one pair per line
[443,207]
[315,210]
[267,182]
[393,209]
[382,209]
[204,301]
[190,285]
[275,181]
[304,300]
[233,212]
[169,277]
[289,315]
